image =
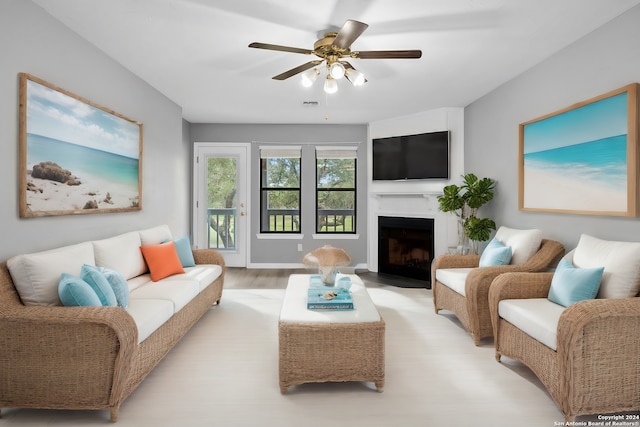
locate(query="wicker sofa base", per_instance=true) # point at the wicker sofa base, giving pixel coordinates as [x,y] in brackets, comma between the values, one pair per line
[76,341]
[331,352]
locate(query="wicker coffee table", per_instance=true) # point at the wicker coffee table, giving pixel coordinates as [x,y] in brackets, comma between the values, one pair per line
[329,346]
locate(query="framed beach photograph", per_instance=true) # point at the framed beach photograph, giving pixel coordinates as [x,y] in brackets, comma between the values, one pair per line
[582,159]
[76,157]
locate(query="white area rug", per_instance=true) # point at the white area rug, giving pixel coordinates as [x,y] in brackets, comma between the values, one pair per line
[225,373]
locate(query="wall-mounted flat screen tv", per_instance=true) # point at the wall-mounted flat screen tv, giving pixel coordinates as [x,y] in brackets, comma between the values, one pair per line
[421,156]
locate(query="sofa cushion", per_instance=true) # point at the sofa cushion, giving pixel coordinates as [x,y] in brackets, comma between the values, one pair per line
[453,278]
[204,274]
[183,247]
[523,243]
[162,259]
[537,317]
[36,276]
[119,285]
[621,262]
[149,315]
[496,253]
[179,292]
[75,292]
[99,284]
[121,253]
[570,284]
[155,235]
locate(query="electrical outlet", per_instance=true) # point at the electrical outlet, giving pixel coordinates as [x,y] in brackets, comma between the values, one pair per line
[299,247]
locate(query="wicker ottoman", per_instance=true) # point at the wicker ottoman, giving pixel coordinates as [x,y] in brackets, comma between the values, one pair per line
[329,346]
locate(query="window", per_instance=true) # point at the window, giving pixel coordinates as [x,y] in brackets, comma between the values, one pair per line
[336,189]
[280,189]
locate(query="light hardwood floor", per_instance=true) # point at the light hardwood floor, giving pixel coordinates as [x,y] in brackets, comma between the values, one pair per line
[266,278]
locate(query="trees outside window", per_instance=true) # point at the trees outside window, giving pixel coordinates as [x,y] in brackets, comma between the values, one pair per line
[280,189]
[336,190]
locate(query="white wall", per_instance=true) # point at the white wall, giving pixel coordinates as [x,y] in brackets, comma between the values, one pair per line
[32,41]
[416,198]
[604,60]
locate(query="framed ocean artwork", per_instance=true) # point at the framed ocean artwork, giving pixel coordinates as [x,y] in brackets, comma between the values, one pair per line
[583,159]
[76,157]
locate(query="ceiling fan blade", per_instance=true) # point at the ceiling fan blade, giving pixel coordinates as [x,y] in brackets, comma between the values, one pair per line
[388,54]
[298,69]
[349,32]
[280,48]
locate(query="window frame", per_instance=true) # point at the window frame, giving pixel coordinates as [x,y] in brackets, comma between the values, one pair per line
[271,152]
[337,152]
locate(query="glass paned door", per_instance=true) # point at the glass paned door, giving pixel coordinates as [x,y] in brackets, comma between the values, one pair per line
[220,218]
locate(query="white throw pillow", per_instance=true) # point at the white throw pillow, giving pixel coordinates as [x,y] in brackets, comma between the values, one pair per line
[36,276]
[523,243]
[621,262]
[155,235]
[122,254]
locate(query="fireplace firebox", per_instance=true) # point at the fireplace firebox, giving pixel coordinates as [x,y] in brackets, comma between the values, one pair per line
[406,247]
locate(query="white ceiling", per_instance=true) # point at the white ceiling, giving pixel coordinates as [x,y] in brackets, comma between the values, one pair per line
[196,51]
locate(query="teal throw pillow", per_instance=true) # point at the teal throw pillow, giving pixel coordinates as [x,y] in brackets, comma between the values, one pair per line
[75,292]
[571,284]
[99,283]
[496,253]
[183,247]
[118,284]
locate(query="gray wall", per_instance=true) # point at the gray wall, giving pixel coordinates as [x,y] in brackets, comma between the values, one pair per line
[284,252]
[604,60]
[32,41]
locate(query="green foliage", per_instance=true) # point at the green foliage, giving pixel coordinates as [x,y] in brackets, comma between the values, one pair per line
[452,200]
[478,191]
[479,229]
[221,182]
[465,200]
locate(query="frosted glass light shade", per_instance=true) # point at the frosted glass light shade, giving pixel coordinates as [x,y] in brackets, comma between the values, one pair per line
[330,85]
[309,77]
[355,77]
[336,70]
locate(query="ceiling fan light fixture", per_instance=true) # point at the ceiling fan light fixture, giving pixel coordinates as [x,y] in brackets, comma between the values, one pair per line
[355,77]
[336,70]
[309,77]
[330,85]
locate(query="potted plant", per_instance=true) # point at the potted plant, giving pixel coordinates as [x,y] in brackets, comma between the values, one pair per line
[464,201]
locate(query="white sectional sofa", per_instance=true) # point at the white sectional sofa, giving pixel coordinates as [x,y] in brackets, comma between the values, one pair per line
[93,357]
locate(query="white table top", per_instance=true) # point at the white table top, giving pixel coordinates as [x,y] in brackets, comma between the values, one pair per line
[294,306]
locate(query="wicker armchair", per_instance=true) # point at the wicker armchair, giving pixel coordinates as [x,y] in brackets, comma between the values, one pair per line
[472,309]
[595,368]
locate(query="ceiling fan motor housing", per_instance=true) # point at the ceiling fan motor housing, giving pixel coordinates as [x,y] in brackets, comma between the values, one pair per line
[325,49]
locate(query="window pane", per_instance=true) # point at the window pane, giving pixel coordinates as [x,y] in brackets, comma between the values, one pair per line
[281,211]
[281,172]
[336,211]
[336,173]
[221,201]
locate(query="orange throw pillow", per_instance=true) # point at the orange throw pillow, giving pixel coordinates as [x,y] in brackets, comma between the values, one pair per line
[162,259]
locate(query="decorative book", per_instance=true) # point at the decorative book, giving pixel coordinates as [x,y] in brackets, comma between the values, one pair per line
[328,298]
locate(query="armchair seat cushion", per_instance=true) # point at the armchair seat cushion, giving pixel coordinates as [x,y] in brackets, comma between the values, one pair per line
[453,278]
[537,317]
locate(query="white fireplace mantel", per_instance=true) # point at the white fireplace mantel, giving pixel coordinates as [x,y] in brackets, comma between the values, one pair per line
[422,204]
[425,194]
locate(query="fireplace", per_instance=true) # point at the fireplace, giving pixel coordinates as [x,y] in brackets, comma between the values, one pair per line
[406,247]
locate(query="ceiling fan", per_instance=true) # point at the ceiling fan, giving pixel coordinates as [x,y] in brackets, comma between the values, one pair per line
[332,48]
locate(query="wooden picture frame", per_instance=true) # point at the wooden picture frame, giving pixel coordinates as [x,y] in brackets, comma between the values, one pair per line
[76,157]
[582,159]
